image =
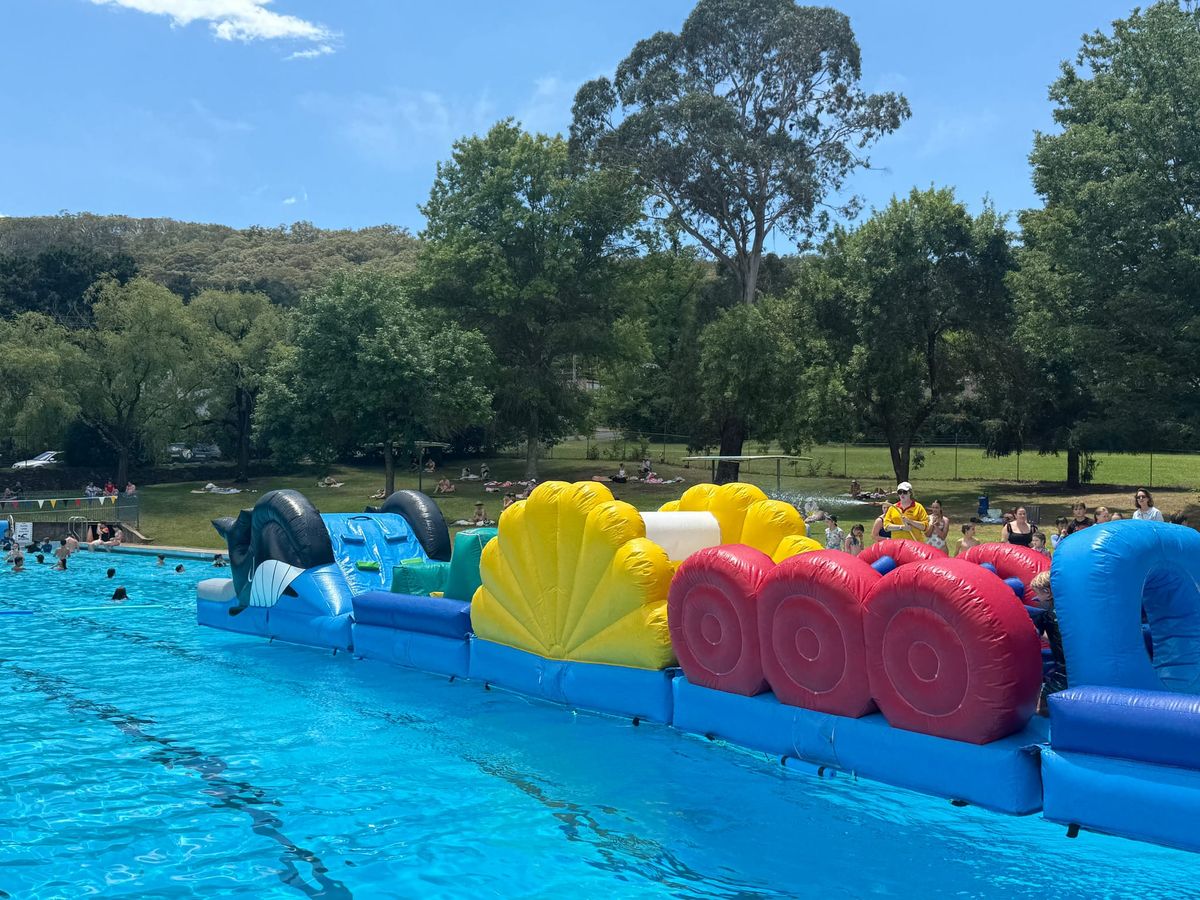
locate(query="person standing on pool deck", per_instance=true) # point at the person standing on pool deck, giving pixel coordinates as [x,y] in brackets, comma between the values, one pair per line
[906,518]
[1146,510]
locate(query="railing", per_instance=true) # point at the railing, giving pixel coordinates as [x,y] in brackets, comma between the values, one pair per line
[87,510]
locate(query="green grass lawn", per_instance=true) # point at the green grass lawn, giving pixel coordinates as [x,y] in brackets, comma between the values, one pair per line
[172,515]
[873,463]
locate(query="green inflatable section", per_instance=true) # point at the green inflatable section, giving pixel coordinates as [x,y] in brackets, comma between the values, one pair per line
[457,579]
[464,564]
[420,577]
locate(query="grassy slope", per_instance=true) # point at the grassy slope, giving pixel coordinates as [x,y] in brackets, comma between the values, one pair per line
[174,516]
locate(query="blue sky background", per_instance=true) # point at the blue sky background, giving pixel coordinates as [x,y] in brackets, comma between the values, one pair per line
[338,112]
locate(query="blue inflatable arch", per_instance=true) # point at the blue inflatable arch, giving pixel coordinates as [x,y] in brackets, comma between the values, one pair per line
[1102,578]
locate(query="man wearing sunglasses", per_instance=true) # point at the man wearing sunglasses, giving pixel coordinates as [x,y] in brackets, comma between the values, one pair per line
[906,518]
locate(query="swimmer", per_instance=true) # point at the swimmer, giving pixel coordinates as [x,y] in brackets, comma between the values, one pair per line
[161,560]
[179,569]
[111,573]
[61,555]
[219,561]
[119,595]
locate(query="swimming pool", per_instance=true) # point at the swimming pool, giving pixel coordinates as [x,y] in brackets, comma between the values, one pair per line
[145,756]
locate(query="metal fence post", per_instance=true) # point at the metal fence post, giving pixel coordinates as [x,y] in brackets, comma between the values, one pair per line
[956,456]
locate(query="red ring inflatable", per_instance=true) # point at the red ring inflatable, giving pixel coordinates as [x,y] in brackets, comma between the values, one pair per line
[949,653]
[1011,561]
[901,550]
[810,628]
[712,614]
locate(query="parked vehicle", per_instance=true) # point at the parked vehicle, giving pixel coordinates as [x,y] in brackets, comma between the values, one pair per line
[49,458]
[193,452]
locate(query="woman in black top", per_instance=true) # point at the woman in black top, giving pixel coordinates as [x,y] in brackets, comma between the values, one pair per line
[1019,531]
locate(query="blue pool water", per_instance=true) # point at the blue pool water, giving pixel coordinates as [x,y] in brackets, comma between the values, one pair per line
[146,757]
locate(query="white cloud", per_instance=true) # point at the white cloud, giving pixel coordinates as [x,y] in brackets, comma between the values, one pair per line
[955,132]
[320,50]
[217,122]
[302,197]
[233,20]
[289,201]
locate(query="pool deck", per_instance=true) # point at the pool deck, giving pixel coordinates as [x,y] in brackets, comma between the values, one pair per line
[163,549]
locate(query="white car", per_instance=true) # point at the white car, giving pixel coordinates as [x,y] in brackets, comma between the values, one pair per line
[49,458]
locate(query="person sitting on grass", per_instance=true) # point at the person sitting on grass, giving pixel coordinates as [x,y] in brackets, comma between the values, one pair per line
[968,539]
[621,477]
[444,486]
[1055,678]
[509,499]
[835,537]
[906,518]
[854,540]
[430,465]
[484,472]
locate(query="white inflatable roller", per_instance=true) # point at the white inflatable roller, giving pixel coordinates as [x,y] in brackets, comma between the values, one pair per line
[682,533]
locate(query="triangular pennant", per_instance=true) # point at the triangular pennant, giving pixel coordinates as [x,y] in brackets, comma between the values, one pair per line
[40,503]
[79,502]
[53,503]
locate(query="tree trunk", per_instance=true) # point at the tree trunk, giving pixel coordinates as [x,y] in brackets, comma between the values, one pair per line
[532,433]
[733,436]
[1073,480]
[122,466]
[389,468]
[242,402]
[901,452]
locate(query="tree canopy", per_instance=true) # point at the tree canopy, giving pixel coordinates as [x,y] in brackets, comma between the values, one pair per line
[1115,251]
[368,369]
[521,245]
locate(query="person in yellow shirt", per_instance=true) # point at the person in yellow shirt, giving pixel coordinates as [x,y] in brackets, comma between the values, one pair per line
[906,519]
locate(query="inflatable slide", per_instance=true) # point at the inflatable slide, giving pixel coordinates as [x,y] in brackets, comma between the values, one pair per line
[296,572]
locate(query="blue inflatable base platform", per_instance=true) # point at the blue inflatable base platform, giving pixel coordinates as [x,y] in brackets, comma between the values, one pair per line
[327,632]
[1003,776]
[1147,802]
[641,693]
[427,652]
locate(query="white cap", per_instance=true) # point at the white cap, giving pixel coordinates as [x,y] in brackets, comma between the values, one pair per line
[904,486]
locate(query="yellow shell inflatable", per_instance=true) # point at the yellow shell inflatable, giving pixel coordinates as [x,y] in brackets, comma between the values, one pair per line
[572,576]
[747,516]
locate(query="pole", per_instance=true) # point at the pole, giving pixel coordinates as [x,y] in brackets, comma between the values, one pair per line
[714,471]
[845,461]
[1018,465]
[956,456]
[1151,484]
[664,453]
[420,466]
[778,483]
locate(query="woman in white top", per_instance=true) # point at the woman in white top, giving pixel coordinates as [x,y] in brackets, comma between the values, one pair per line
[938,528]
[1146,510]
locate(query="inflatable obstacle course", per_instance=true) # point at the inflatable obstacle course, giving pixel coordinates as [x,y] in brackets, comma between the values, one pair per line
[718,615]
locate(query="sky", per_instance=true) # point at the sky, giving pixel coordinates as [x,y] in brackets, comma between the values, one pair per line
[273,111]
